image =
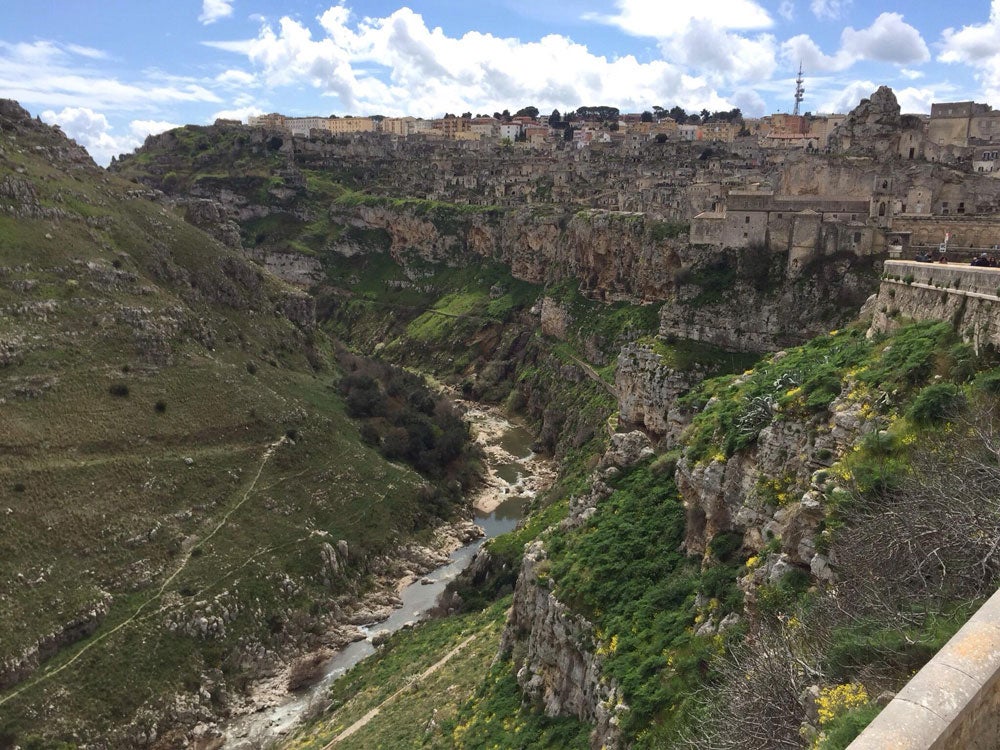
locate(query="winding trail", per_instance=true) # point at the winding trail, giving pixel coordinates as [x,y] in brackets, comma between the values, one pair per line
[190,544]
[364,720]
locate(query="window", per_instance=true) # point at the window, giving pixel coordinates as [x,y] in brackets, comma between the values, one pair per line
[746,221]
[857,236]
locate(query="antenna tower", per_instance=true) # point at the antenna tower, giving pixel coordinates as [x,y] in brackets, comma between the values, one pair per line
[799,91]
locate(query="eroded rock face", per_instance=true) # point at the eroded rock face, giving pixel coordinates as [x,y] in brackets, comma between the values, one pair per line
[554,655]
[648,389]
[213,217]
[788,314]
[772,490]
[18,668]
[871,129]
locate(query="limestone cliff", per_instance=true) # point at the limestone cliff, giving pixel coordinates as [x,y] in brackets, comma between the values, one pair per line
[871,128]
[772,491]
[554,654]
[724,303]
[648,388]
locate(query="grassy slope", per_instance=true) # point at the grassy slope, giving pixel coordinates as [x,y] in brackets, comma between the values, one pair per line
[99,501]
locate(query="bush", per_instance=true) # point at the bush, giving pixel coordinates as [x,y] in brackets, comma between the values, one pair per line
[936,403]
[989,382]
[118,389]
[160,406]
[842,730]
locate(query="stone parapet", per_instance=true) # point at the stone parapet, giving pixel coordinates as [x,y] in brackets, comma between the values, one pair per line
[953,703]
[960,279]
[968,296]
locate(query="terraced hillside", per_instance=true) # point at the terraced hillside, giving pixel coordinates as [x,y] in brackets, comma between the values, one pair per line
[183,500]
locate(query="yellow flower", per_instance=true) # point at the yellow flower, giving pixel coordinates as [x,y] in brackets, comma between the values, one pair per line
[837,700]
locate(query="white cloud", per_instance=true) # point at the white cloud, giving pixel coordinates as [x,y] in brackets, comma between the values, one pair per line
[238,113]
[655,18]
[974,43]
[142,128]
[888,39]
[978,46]
[787,10]
[213,10]
[726,58]
[45,74]
[93,54]
[913,75]
[829,8]
[398,65]
[848,97]
[238,78]
[93,131]
[914,100]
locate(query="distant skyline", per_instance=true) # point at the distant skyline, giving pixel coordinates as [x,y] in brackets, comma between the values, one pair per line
[113,71]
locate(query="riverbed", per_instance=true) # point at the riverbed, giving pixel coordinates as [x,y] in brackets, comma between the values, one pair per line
[514,474]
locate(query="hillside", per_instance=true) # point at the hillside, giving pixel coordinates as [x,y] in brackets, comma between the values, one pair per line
[186,504]
[767,514]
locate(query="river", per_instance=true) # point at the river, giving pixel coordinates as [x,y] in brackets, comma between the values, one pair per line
[514,474]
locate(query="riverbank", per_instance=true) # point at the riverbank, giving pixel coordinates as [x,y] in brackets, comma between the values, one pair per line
[408,583]
[512,468]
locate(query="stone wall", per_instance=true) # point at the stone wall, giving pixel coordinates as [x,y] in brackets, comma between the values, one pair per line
[953,703]
[965,295]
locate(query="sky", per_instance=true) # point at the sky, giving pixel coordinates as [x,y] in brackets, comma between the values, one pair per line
[111,72]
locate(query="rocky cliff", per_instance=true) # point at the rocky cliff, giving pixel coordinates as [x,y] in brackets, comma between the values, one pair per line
[553,650]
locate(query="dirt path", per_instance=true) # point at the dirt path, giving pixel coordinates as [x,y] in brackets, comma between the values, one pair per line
[364,720]
[182,563]
[593,374]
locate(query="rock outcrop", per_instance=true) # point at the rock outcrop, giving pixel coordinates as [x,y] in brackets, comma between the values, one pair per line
[772,491]
[554,655]
[648,389]
[871,129]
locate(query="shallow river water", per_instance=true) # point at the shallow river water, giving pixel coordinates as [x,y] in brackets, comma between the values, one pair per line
[514,475]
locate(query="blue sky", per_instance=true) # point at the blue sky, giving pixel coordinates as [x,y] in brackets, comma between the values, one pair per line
[112,71]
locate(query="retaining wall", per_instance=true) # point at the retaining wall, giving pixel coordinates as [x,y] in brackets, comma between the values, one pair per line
[953,703]
[967,296]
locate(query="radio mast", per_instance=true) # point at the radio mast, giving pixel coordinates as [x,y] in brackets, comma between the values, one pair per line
[799,91]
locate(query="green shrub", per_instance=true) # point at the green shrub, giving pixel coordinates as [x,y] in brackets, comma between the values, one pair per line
[843,729]
[989,382]
[119,390]
[725,545]
[936,403]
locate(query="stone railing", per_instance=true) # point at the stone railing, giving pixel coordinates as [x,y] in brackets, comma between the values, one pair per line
[967,296]
[955,277]
[953,703]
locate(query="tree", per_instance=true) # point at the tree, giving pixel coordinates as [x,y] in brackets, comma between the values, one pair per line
[646,117]
[527,112]
[555,118]
[756,702]
[466,115]
[678,114]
